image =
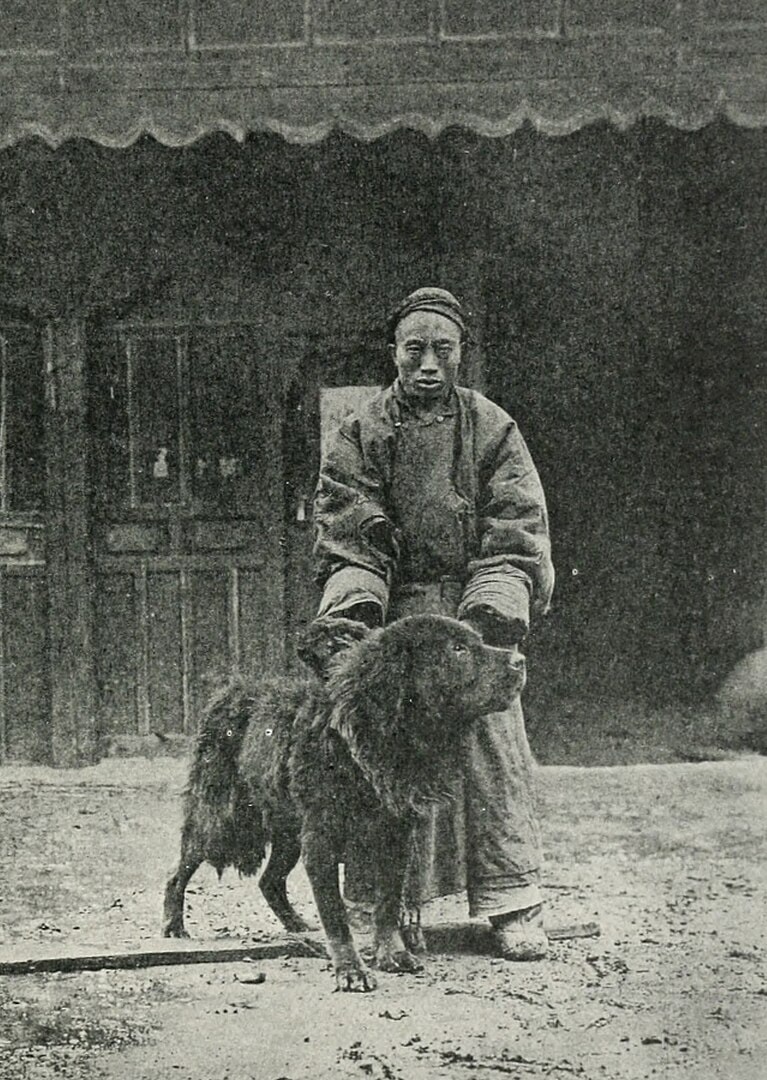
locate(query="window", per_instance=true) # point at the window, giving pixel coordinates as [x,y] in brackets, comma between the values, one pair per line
[181,418]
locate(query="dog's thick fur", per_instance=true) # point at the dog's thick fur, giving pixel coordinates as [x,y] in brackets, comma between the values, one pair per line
[301,763]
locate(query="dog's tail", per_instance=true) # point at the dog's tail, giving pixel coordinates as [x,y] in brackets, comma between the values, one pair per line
[220,824]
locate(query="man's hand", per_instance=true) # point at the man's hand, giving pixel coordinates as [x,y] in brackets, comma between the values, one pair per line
[367,612]
[494,629]
[325,637]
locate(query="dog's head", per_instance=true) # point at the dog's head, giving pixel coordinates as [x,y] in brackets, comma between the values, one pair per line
[404,698]
[446,667]
[324,639]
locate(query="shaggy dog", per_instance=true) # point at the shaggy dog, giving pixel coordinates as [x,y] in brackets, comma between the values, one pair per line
[222,826]
[299,764]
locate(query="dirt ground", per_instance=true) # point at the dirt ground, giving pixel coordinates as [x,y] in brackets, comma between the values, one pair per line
[669,858]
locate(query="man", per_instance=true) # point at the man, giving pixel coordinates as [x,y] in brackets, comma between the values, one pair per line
[428,501]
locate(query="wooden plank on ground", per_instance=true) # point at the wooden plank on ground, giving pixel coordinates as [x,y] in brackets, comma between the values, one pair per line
[476,938]
[26,960]
[572,931]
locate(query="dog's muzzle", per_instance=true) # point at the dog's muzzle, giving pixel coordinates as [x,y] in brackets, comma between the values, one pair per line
[507,676]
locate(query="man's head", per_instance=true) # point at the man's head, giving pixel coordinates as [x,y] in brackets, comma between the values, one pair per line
[427,332]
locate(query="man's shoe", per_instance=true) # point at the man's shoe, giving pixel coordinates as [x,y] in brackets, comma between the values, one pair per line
[519,935]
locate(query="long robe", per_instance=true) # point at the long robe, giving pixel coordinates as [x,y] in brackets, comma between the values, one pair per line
[446,514]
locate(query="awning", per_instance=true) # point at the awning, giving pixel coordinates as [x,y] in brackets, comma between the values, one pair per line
[180,118]
[559,78]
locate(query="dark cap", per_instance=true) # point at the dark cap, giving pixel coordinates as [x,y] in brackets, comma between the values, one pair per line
[430,299]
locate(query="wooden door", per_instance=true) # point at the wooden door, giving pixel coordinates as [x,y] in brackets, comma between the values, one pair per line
[25,733]
[188,520]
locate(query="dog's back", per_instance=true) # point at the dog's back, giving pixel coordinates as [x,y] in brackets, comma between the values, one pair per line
[223,814]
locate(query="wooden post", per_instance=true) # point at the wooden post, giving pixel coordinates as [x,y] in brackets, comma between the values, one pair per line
[69,562]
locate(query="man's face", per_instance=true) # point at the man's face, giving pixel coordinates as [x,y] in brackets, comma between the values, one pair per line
[427,352]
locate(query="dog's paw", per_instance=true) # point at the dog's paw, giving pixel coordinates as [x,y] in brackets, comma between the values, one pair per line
[174,929]
[351,973]
[355,978]
[399,960]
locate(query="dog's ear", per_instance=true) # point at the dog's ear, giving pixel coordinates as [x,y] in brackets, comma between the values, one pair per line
[372,686]
[325,638]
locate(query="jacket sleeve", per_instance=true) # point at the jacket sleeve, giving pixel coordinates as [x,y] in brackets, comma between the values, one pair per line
[355,543]
[512,573]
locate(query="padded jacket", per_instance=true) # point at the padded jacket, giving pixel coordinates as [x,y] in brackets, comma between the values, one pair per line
[502,509]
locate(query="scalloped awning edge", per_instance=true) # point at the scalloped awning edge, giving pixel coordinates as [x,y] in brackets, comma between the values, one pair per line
[175,132]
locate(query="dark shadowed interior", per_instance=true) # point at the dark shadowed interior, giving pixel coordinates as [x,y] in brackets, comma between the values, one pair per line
[616,283]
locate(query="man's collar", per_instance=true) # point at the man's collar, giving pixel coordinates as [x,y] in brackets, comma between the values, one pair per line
[448,407]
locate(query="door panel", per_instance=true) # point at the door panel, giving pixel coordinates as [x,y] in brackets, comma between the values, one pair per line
[189,505]
[118,644]
[25,698]
[24,663]
[261,620]
[166,679]
[209,631]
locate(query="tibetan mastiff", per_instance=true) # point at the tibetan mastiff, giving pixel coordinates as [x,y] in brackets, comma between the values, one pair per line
[377,734]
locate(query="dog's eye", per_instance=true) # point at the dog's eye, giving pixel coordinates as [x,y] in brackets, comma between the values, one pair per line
[458,648]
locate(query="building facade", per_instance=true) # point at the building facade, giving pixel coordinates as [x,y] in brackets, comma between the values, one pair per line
[207,211]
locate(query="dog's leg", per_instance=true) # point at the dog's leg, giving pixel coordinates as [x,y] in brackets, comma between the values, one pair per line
[393,841]
[411,930]
[173,918]
[321,852]
[285,853]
